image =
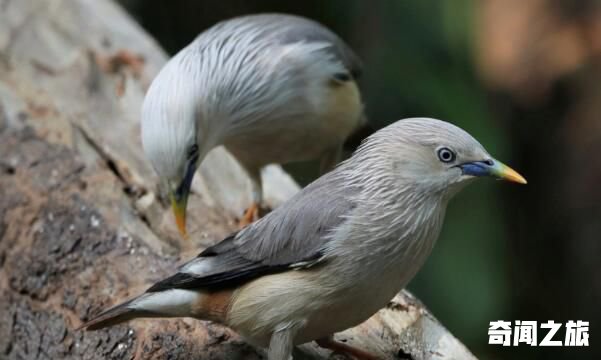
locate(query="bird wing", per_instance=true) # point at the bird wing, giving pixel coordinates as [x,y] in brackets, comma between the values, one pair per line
[294,29]
[285,30]
[293,236]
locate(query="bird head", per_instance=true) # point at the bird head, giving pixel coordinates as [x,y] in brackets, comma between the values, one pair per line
[435,156]
[171,139]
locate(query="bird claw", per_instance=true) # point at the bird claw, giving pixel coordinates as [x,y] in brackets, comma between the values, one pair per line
[252,214]
[344,349]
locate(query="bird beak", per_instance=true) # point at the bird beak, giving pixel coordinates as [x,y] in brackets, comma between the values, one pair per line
[179,198]
[492,168]
[179,210]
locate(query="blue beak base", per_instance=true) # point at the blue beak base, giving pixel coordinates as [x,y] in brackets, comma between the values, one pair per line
[477,168]
[493,168]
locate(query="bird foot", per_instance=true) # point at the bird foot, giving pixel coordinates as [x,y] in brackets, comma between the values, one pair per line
[342,348]
[252,214]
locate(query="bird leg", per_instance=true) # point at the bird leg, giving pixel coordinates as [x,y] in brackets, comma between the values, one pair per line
[253,213]
[282,342]
[250,215]
[342,348]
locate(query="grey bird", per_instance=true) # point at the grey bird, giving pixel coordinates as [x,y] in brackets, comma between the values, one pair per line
[272,88]
[336,252]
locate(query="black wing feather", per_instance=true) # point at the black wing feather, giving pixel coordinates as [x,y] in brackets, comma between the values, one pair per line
[293,236]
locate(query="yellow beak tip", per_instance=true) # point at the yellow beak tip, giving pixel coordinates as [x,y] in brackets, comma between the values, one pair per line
[512,175]
[181,226]
[180,221]
[179,211]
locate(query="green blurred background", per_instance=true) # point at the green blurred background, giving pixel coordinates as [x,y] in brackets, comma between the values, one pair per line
[523,78]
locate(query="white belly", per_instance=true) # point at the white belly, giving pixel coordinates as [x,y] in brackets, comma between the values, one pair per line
[302,296]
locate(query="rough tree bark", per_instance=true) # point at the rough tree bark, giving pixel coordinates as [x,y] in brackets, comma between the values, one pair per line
[81,226]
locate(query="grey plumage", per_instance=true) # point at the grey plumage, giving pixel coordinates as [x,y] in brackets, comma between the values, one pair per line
[341,248]
[297,231]
[294,236]
[272,88]
[290,29]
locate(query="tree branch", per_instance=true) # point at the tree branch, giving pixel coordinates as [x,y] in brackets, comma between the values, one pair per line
[81,224]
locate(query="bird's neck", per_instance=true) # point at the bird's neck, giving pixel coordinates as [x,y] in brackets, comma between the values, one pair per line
[403,225]
[392,233]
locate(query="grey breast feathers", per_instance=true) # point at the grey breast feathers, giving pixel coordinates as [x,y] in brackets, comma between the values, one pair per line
[293,236]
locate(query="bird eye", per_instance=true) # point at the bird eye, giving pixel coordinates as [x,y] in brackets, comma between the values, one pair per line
[192,151]
[446,155]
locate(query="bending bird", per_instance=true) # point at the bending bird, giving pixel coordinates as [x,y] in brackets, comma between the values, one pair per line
[336,252]
[272,88]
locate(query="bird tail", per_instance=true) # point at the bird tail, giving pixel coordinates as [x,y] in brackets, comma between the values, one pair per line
[116,315]
[167,303]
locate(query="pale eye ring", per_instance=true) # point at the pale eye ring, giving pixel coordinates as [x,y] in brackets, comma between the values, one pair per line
[446,155]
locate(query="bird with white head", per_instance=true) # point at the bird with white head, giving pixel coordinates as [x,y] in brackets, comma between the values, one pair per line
[271,88]
[335,253]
